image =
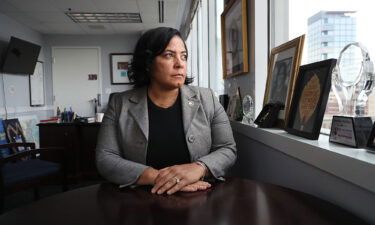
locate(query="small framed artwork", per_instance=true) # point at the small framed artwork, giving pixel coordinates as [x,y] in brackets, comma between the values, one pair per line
[120,63]
[268,116]
[234,110]
[282,71]
[14,133]
[234,39]
[36,83]
[310,99]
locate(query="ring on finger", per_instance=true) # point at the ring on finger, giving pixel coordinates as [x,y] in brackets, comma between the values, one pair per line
[177,180]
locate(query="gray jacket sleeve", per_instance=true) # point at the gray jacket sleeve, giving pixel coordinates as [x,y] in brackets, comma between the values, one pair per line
[109,160]
[223,151]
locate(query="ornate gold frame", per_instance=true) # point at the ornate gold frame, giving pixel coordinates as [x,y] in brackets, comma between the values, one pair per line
[224,36]
[296,43]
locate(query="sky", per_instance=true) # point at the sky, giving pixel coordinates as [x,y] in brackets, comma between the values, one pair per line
[301,10]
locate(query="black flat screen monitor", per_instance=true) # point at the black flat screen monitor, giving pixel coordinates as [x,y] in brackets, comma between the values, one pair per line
[20,57]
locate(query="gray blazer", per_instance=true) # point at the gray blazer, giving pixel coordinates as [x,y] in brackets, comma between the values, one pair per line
[122,142]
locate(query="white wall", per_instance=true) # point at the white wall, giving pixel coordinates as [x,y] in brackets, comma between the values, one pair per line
[16,87]
[107,43]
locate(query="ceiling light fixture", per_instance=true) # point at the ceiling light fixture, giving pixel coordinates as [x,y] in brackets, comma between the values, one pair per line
[89,17]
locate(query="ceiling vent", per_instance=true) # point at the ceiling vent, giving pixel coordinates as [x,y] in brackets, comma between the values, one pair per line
[86,17]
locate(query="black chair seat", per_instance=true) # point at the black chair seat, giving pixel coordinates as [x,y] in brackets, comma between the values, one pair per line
[28,170]
[17,174]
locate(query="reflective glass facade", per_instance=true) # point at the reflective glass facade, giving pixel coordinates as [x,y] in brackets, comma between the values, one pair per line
[328,32]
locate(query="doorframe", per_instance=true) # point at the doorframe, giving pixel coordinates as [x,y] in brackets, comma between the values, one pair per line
[100,91]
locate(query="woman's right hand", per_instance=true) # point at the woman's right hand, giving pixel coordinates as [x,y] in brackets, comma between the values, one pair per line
[148,177]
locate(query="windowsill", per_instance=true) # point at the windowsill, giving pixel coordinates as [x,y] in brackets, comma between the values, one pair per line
[351,164]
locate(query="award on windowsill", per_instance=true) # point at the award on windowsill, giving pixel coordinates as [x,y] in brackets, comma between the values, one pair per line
[248,110]
[352,82]
[351,131]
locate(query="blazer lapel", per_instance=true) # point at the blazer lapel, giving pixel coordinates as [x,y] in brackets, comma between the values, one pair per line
[190,105]
[139,109]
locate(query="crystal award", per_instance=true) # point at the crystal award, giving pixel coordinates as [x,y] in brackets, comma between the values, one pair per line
[353,79]
[248,110]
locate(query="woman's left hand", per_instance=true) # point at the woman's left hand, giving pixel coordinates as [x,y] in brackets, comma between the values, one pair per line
[172,179]
[197,186]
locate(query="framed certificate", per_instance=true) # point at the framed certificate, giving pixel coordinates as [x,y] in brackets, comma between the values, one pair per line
[310,99]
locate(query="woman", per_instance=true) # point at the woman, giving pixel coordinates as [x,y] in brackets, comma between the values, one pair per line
[163,132]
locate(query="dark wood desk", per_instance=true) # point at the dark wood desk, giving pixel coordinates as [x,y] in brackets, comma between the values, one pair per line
[236,202]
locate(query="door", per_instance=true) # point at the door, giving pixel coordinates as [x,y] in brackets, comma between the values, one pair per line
[76,80]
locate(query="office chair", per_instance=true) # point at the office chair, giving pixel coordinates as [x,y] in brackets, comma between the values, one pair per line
[28,169]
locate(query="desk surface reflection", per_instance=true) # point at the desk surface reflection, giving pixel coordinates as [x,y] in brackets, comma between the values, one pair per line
[236,201]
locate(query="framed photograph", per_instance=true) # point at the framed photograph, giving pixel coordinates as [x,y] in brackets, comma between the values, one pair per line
[234,110]
[120,63]
[310,99]
[36,83]
[234,39]
[282,71]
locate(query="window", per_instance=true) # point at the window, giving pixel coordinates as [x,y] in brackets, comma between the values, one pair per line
[204,46]
[335,24]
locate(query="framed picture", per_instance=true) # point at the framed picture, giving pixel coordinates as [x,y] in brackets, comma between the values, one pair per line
[36,83]
[234,39]
[282,70]
[310,99]
[234,110]
[14,133]
[3,140]
[268,116]
[120,63]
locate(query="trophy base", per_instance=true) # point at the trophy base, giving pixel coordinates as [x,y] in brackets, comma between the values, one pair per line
[351,131]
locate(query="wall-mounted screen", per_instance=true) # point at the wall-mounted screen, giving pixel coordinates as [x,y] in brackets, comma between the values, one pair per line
[20,57]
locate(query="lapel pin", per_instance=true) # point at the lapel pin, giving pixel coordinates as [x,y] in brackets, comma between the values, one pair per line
[190,103]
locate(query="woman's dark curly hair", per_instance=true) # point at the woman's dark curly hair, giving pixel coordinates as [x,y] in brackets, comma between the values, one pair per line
[151,44]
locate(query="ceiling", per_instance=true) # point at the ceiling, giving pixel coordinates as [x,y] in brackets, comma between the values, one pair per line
[48,16]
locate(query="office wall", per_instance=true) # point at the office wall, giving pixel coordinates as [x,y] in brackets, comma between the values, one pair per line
[107,43]
[16,87]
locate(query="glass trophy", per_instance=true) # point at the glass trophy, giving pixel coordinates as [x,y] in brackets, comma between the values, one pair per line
[352,83]
[248,110]
[353,79]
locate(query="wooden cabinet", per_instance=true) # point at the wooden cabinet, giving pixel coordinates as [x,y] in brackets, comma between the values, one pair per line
[79,140]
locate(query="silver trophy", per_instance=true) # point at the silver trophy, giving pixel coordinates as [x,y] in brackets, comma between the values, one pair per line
[353,79]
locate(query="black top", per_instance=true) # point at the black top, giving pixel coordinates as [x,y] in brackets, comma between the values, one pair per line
[166,138]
